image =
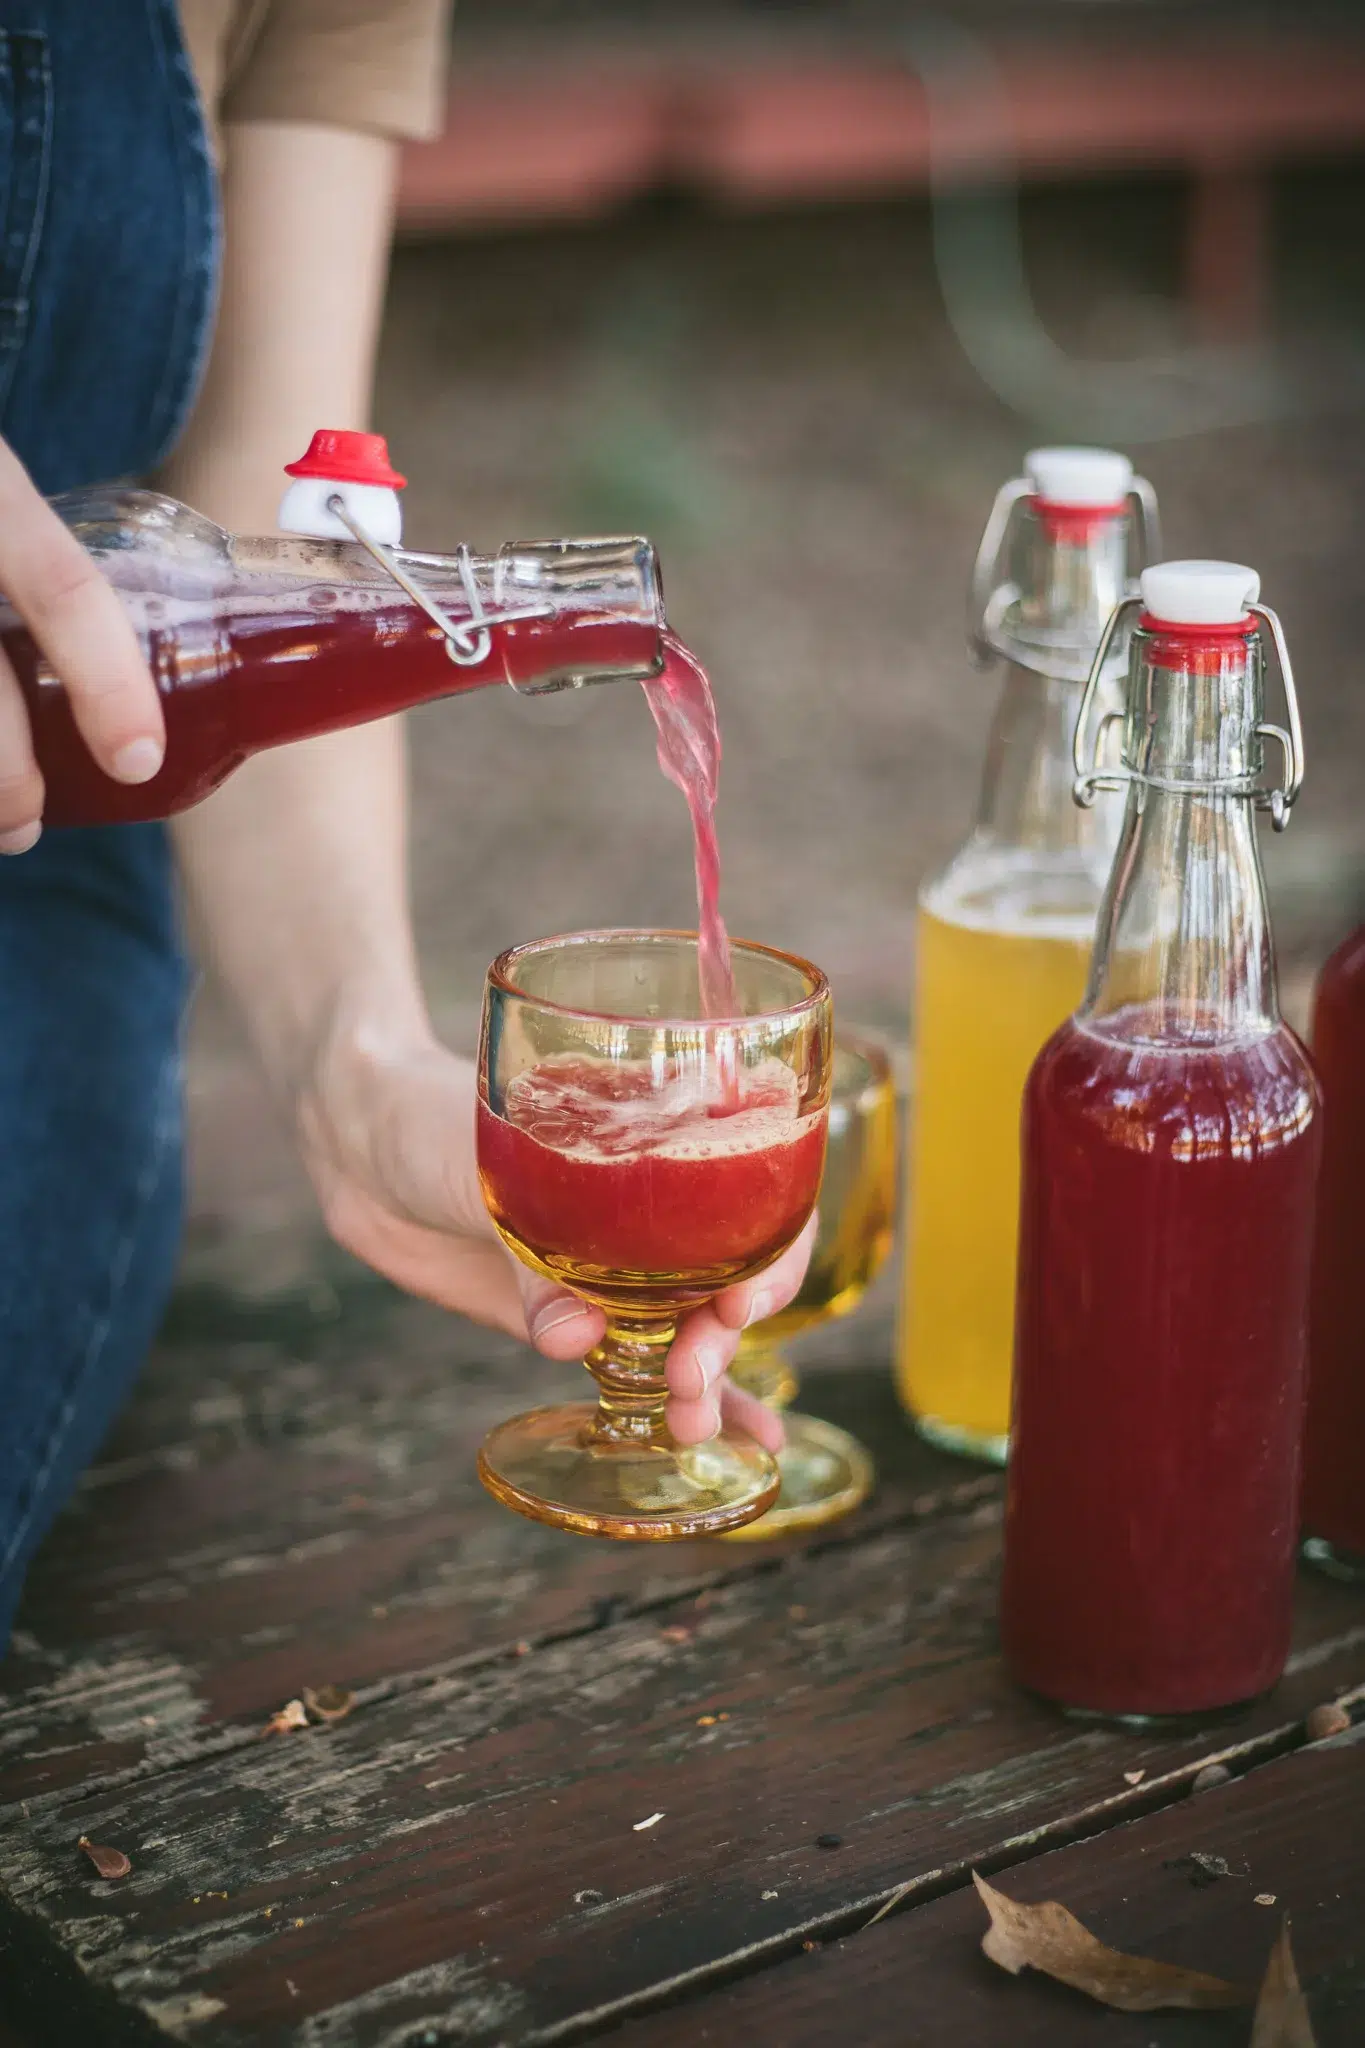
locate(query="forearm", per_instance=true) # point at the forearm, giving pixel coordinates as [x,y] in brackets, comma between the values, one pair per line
[296,874]
[296,868]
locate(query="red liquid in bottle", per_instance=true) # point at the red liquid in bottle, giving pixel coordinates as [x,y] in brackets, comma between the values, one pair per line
[607,1170]
[233,684]
[1334,1442]
[1166,1220]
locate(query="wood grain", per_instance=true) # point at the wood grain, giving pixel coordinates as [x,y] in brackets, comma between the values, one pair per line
[1294,1829]
[437,1857]
[298,1507]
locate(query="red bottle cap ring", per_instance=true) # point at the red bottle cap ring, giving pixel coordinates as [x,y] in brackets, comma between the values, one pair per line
[345,458]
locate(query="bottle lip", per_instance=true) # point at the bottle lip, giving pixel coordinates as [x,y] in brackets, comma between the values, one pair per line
[1189,632]
[1062,508]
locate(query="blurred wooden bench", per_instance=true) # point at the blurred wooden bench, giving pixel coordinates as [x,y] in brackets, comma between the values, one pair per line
[565,130]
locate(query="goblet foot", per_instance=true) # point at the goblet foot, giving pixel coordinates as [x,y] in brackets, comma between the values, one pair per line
[555,1465]
[1346,1565]
[825,1473]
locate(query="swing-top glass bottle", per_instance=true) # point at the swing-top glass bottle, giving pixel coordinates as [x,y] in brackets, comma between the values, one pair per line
[1004,932]
[1171,1134]
[255,641]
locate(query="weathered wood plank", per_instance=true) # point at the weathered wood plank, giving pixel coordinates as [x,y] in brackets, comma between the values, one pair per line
[1294,1829]
[436,1860]
[299,1506]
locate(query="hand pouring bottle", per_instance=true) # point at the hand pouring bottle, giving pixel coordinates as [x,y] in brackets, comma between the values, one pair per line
[255,642]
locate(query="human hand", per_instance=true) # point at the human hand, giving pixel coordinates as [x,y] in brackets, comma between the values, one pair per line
[387,1129]
[87,639]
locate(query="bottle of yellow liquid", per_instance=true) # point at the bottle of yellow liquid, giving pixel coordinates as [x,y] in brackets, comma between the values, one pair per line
[1005,931]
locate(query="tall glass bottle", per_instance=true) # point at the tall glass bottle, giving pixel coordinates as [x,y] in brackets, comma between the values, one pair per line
[1171,1136]
[1005,931]
[255,641]
[1334,1439]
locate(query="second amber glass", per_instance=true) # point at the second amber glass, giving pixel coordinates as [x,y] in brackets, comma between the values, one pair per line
[646,1157]
[825,1471]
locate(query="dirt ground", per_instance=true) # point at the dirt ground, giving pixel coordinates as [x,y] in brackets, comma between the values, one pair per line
[785,406]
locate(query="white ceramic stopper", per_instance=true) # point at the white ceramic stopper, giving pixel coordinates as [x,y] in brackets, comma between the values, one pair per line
[1199,593]
[1079,476]
[303,509]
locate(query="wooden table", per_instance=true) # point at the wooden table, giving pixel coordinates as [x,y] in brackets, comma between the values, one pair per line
[806,1731]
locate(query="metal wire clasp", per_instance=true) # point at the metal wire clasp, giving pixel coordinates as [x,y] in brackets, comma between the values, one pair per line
[1093,774]
[988,600]
[1280,800]
[467,645]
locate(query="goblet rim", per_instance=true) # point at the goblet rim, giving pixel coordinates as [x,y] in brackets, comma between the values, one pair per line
[816,997]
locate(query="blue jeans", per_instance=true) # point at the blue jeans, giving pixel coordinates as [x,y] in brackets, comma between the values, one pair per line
[108,262]
[93,987]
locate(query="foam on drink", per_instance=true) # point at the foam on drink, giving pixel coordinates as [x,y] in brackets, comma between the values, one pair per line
[594,1113]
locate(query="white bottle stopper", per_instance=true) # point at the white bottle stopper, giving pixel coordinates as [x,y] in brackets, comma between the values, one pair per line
[354,468]
[1199,593]
[1082,477]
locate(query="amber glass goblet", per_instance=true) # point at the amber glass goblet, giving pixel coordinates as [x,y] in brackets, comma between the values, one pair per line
[646,1157]
[826,1472]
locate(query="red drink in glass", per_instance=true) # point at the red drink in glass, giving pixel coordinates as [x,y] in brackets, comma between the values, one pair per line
[1166,1222]
[633,1184]
[1334,1441]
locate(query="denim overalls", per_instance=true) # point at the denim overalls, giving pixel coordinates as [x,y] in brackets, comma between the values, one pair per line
[108,262]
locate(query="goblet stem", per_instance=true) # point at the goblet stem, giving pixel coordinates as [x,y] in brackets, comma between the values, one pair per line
[628,1366]
[763,1369]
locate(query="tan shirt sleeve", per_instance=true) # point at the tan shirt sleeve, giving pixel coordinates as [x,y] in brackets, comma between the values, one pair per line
[374,65]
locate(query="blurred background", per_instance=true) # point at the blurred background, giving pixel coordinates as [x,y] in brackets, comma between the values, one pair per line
[791,289]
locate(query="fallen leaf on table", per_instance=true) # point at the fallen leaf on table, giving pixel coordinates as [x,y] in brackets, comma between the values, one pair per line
[293,1714]
[1282,2010]
[1050,1939]
[638,1826]
[108,1862]
[1328,1719]
[328,1703]
[1134,1777]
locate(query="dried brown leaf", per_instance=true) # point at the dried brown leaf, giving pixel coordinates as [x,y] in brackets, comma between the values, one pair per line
[329,1702]
[1328,1719]
[1050,1939]
[108,1862]
[292,1715]
[1282,2010]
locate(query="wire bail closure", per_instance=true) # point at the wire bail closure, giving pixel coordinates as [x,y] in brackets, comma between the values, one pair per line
[467,645]
[989,600]
[1095,775]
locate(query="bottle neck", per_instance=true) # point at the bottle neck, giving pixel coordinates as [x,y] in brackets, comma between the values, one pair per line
[1068,570]
[1183,949]
[540,615]
[1026,785]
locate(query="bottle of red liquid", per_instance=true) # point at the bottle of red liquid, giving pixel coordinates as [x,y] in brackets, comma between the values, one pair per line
[258,641]
[1334,1437]
[1171,1138]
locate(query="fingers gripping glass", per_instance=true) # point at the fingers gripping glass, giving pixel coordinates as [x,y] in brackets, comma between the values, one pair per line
[647,1158]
